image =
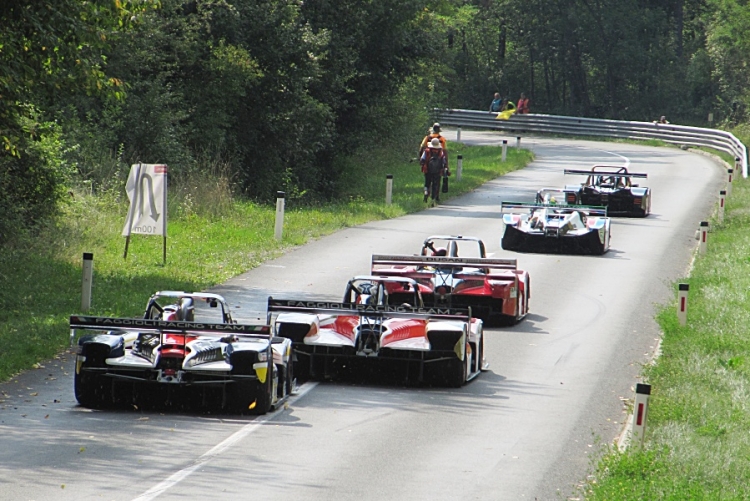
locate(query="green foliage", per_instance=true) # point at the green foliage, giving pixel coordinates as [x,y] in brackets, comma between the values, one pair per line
[31,186]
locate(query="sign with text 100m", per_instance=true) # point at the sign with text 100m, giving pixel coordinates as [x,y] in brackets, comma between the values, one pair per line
[147,191]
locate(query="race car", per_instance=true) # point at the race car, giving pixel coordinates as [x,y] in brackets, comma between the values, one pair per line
[455,272]
[168,356]
[554,228]
[610,186]
[380,320]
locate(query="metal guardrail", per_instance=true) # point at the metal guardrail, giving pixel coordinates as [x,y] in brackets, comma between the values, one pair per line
[557,124]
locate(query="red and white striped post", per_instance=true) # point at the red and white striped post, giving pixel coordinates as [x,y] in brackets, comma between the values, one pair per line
[642,392]
[279,228]
[703,237]
[722,203]
[388,189]
[505,149]
[682,302]
[730,172]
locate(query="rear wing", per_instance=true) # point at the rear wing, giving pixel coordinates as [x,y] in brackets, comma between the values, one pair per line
[592,210]
[365,310]
[613,172]
[444,261]
[81,322]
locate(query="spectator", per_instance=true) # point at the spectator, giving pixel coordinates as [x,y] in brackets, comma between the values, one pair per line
[523,104]
[435,134]
[434,161]
[663,120]
[497,104]
[508,105]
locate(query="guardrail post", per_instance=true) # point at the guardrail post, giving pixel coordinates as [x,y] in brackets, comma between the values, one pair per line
[642,392]
[388,188]
[505,149]
[730,173]
[703,237]
[682,300]
[88,271]
[518,141]
[459,167]
[279,229]
[458,134]
[722,202]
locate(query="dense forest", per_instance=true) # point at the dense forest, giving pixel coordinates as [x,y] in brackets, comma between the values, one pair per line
[274,93]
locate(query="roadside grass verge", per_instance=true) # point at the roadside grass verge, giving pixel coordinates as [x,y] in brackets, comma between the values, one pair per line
[697,444]
[212,237]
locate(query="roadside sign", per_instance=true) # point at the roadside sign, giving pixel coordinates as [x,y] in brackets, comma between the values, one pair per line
[147,192]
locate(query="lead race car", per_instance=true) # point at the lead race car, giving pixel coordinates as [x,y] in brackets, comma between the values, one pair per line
[555,228]
[379,320]
[455,272]
[168,355]
[610,186]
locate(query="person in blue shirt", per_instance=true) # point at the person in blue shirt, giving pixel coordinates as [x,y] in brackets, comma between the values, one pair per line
[497,104]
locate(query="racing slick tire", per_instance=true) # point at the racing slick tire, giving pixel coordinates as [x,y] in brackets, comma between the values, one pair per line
[455,372]
[92,390]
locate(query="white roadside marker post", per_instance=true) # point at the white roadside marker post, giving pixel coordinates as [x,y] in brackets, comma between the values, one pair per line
[722,203]
[505,149]
[703,237]
[459,167]
[458,134]
[279,229]
[642,392]
[518,141]
[682,302]
[88,272]
[388,188]
[730,172]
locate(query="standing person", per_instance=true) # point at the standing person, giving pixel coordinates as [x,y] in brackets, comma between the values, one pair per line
[497,104]
[434,161]
[430,136]
[523,104]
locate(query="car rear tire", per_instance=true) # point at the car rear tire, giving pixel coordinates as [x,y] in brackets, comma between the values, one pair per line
[92,390]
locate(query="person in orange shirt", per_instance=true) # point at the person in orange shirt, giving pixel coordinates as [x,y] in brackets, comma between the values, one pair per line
[523,104]
[429,137]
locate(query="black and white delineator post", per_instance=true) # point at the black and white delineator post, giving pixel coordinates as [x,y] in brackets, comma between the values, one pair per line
[703,236]
[640,412]
[459,167]
[518,141]
[722,203]
[505,149]
[730,174]
[279,228]
[458,134]
[388,189]
[147,215]
[88,272]
[682,302]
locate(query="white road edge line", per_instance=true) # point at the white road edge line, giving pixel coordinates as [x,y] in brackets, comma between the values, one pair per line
[246,430]
[627,160]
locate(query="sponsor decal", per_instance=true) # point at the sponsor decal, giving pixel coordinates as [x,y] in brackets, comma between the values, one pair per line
[357,309]
[133,323]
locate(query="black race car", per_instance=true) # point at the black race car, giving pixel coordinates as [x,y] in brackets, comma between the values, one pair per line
[180,352]
[610,186]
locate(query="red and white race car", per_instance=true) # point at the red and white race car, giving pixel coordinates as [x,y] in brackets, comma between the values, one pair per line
[381,319]
[454,272]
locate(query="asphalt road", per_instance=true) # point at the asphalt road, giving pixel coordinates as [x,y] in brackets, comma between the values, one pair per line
[528,428]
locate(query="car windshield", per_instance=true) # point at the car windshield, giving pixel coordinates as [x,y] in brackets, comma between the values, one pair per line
[456,248]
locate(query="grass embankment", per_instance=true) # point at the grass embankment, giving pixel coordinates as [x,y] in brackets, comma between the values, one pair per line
[212,237]
[697,444]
